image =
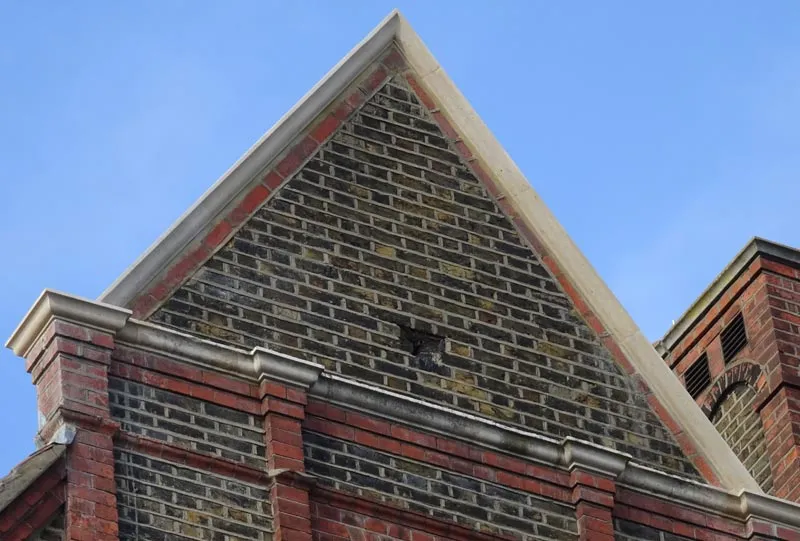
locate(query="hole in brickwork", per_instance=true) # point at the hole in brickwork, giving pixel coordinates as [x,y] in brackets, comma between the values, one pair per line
[427,349]
[697,377]
[733,338]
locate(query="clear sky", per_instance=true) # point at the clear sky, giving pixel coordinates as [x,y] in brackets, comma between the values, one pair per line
[662,135]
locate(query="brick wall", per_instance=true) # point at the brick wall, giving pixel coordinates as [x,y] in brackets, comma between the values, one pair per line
[188,422]
[385,236]
[425,488]
[760,424]
[625,530]
[54,531]
[740,425]
[161,500]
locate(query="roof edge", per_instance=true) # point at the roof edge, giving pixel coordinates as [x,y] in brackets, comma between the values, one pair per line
[755,247]
[233,183]
[24,474]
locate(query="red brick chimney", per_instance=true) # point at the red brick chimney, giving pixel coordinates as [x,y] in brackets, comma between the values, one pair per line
[737,351]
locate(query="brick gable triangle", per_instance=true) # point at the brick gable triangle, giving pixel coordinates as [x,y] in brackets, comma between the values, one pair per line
[383,244]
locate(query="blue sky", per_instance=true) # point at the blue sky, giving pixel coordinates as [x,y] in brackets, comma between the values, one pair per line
[663,136]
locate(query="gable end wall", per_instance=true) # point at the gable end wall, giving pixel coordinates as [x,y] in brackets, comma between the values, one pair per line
[387,227]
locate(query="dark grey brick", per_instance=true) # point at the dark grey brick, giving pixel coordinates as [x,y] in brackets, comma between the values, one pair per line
[434,491]
[160,500]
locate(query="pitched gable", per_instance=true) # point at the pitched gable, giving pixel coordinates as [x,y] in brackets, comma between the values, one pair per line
[386,235]
[396,253]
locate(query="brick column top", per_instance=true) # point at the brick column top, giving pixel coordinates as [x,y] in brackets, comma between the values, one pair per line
[55,304]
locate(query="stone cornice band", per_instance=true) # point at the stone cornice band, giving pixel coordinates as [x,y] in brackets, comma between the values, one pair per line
[261,363]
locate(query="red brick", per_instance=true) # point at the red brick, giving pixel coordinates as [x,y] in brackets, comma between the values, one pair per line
[394,60]
[289,451]
[299,153]
[292,521]
[368,423]
[403,433]
[423,96]
[336,430]
[326,127]
[218,234]
[327,411]
[378,442]
[283,491]
[505,462]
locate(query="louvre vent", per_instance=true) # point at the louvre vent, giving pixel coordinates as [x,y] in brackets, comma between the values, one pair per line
[697,377]
[733,338]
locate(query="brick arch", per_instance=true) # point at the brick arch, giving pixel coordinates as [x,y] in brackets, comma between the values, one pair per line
[741,372]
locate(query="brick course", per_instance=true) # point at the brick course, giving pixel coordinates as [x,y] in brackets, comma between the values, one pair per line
[739,423]
[435,491]
[54,531]
[625,530]
[387,228]
[195,424]
[161,500]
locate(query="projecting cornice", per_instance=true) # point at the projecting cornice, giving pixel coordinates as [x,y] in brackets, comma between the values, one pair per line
[566,454]
[56,305]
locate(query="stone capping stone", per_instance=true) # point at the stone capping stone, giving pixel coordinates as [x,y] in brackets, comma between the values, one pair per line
[55,304]
[269,364]
[567,454]
[189,348]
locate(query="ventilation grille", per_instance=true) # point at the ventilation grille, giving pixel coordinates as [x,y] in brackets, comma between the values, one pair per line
[733,338]
[697,377]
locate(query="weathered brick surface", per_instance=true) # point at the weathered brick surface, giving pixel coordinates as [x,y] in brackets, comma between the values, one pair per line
[625,530]
[437,492]
[386,228]
[740,425]
[54,531]
[188,422]
[159,500]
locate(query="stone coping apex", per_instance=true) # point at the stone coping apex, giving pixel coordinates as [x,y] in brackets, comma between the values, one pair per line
[55,304]
[269,364]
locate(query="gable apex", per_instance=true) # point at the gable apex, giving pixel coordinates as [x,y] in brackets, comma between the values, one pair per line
[592,298]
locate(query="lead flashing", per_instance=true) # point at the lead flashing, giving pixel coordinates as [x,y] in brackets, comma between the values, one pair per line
[55,304]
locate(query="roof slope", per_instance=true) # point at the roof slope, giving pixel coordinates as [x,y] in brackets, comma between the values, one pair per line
[242,190]
[26,472]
